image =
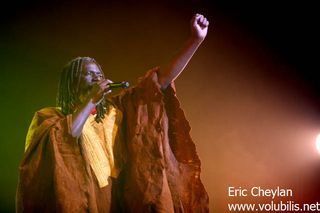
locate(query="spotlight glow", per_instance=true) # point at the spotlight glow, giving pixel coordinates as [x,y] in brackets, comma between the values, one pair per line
[318,143]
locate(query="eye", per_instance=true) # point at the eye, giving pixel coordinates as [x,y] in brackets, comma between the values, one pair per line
[96,74]
[90,73]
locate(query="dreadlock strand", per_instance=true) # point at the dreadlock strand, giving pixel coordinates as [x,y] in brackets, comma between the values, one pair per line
[78,76]
[62,90]
[74,69]
[73,89]
[65,91]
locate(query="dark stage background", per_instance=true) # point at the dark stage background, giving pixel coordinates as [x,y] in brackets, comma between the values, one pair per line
[251,91]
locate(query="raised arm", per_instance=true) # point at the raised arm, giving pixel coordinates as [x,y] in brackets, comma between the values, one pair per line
[199,28]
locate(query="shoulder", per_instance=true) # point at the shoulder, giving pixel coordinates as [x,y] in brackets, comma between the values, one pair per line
[48,113]
[150,76]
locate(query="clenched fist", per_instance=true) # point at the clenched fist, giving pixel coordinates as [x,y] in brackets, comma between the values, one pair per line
[199,27]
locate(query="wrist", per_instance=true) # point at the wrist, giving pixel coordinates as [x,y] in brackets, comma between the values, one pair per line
[198,35]
[196,39]
[95,100]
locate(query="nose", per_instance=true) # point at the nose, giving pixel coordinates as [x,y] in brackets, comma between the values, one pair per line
[97,77]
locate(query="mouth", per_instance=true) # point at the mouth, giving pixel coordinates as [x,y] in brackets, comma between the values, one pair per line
[94,81]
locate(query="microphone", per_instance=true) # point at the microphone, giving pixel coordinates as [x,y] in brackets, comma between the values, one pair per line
[115,85]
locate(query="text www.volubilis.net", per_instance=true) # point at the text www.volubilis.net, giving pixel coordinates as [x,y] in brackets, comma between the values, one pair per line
[274,207]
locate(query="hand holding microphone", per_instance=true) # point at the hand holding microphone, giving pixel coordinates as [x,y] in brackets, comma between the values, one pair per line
[104,87]
[115,85]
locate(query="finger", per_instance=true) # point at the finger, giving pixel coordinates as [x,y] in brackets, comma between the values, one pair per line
[104,91]
[194,19]
[109,81]
[198,17]
[107,92]
[106,88]
[103,88]
[201,19]
[104,83]
[205,23]
[100,84]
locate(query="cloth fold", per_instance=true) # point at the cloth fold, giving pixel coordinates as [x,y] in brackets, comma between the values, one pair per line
[97,141]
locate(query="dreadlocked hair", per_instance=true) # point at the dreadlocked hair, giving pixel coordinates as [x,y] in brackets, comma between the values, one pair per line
[68,90]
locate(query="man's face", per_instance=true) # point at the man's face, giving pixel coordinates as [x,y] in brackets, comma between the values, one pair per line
[91,74]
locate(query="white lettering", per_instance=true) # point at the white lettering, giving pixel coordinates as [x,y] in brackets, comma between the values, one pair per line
[257,191]
[237,192]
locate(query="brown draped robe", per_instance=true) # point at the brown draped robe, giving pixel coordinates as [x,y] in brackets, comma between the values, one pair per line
[153,146]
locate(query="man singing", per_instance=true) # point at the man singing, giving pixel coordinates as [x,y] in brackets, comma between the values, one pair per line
[131,152]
